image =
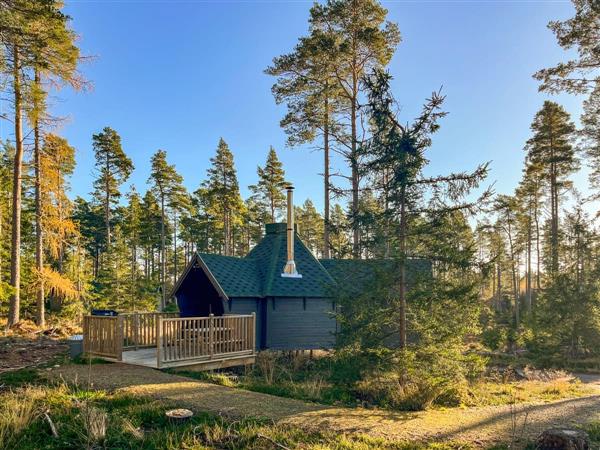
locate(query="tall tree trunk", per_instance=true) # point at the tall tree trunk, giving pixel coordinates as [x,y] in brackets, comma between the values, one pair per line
[14,309]
[402,268]
[538,260]
[133,271]
[175,247]
[39,251]
[226,234]
[326,224]
[163,270]
[355,185]
[554,212]
[515,279]
[107,205]
[499,288]
[1,241]
[529,294]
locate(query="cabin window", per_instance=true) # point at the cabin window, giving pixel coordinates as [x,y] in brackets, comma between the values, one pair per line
[333,306]
[304,303]
[229,304]
[273,303]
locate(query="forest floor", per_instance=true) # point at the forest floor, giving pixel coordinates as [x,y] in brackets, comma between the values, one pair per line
[27,345]
[482,426]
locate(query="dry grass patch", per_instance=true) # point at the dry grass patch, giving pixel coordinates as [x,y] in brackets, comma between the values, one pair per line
[486,393]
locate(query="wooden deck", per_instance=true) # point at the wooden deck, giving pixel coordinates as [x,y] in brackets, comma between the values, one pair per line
[162,341]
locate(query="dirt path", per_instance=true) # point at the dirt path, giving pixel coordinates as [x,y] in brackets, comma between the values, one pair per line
[484,425]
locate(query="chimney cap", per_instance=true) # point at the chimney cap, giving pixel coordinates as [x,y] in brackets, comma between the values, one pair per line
[289,187]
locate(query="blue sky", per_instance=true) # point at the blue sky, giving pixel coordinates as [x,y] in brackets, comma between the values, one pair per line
[177,75]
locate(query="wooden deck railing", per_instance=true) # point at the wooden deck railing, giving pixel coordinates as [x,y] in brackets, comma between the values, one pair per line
[204,338]
[139,329]
[103,336]
[176,339]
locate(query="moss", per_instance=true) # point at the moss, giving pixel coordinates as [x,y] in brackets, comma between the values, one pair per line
[20,377]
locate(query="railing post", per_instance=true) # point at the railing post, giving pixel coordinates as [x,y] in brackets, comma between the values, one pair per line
[119,338]
[136,325]
[253,334]
[159,342]
[211,335]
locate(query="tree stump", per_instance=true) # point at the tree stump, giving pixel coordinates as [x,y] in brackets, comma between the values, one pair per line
[179,415]
[563,439]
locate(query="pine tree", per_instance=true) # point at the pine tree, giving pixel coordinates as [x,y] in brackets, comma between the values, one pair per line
[131,232]
[150,235]
[166,185]
[551,154]
[223,193]
[591,138]
[268,192]
[581,33]
[567,318]
[362,41]
[181,206]
[6,161]
[339,239]
[506,224]
[114,168]
[322,79]
[306,84]
[310,226]
[89,220]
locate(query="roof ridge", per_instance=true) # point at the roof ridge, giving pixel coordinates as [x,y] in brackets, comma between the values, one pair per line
[315,259]
[272,263]
[221,256]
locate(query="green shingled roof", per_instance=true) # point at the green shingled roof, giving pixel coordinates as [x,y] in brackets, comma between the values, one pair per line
[259,273]
[238,277]
[271,256]
[354,275]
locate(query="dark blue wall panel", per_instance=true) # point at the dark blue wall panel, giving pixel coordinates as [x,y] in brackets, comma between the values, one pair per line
[300,324]
[247,306]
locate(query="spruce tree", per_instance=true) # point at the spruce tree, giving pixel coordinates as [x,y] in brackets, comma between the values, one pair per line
[400,150]
[268,192]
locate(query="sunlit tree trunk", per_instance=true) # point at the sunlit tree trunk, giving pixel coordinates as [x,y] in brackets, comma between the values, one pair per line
[39,251]
[15,267]
[326,207]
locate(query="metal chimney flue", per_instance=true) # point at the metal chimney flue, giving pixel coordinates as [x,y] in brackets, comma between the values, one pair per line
[289,270]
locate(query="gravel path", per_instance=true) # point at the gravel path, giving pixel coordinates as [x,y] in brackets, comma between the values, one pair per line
[482,425]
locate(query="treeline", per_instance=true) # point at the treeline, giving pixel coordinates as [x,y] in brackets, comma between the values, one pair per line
[524,277]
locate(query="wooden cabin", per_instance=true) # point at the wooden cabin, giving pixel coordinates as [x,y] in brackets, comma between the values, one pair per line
[290,291]
[279,296]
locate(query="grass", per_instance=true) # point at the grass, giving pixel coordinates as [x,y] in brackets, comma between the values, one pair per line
[100,419]
[490,393]
[19,377]
[308,379]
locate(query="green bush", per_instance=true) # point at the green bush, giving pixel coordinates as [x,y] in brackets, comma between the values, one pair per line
[495,338]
